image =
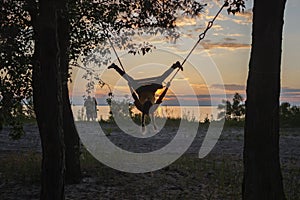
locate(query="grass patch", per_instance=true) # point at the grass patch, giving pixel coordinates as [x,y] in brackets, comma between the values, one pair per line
[22,168]
[187,178]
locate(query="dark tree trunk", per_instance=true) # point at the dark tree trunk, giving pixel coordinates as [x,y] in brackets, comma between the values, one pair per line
[5,108]
[48,98]
[71,138]
[72,142]
[262,173]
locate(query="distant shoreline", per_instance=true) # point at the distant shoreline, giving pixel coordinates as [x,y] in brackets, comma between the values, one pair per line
[161,105]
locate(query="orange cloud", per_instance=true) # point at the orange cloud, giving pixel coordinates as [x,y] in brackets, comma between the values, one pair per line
[186,21]
[228,45]
[246,17]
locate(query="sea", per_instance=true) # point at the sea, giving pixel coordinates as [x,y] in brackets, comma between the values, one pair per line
[191,113]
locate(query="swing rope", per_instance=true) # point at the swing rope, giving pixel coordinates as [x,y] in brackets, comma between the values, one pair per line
[200,37]
[111,44]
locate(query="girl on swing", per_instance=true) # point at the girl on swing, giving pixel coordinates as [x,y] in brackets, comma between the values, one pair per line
[143,91]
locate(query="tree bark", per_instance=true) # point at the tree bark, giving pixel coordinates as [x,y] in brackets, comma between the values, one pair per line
[262,173]
[71,138]
[48,99]
[72,142]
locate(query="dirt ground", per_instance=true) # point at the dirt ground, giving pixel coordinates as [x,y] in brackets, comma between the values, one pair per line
[177,181]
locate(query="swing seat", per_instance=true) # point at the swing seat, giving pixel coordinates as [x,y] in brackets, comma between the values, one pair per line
[154,82]
[148,84]
[150,88]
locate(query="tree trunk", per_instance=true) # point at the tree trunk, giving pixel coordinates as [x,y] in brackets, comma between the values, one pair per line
[48,99]
[71,138]
[262,173]
[72,142]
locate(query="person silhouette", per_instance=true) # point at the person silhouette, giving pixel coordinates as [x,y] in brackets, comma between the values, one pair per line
[144,93]
[88,104]
[94,112]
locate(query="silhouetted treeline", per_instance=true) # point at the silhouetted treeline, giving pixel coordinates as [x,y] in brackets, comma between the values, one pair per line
[289,115]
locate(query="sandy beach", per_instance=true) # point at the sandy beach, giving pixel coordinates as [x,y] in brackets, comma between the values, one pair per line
[229,145]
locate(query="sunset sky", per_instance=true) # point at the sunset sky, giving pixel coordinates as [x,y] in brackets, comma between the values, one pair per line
[221,58]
